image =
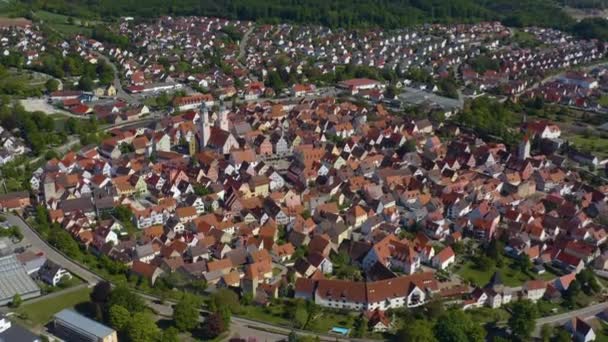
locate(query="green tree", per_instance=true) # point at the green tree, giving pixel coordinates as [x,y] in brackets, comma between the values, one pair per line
[562,335]
[523,319]
[224,298]
[16,301]
[546,332]
[588,281]
[457,326]
[300,315]
[51,85]
[142,328]
[170,334]
[417,331]
[123,296]
[186,312]
[85,84]
[119,317]
[524,263]
[360,326]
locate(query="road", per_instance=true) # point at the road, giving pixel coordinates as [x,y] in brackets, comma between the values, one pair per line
[243,45]
[120,92]
[51,253]
[564,317]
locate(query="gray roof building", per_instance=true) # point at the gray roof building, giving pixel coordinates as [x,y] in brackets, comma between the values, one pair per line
[72,326]
[14,279]
[10,332]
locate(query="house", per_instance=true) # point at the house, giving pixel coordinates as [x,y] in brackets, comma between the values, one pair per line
[14,201]
[581,331]
[378,321]
[53,274]
[444,259]
[357,84]
[146,271]
[405,291]
[534,289]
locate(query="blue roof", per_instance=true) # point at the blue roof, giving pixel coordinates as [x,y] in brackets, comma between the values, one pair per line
[90,326]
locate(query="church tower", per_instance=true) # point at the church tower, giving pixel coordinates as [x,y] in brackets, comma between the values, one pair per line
[523,150]
[223,118]
[205,127]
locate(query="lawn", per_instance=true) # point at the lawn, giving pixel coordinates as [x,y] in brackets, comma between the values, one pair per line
[272,314]
[329,319]
[591,143]
[62,23]
[511,276]
[39,313]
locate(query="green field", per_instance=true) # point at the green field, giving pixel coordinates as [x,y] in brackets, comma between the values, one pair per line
[64,25]
[40,312]
[596,145]
[511,276]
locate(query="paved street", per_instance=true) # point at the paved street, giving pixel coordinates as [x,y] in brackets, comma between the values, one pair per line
[120,92]
[52,254]
[564,317]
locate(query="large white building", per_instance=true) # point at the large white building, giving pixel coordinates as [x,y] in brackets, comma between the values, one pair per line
[406,291]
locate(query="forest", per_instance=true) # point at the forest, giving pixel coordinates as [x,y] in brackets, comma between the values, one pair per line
[337,13]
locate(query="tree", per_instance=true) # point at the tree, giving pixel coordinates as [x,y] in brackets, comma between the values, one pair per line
[300,315]
[119,317]
[586,278]
[16,301]
[571,293]
[360,326]
[101,292]
[51,85]
[142,328]
[225,298]
[523,319]
[457,326]
[123,213]
[123,296]
[562,335]
[85,83]
[417,331]
[186,313]
[170,334]
[546,332]
[524,263]
[213,326]
[483,263]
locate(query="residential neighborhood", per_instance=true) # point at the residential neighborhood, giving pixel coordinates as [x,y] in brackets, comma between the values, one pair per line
[333,181]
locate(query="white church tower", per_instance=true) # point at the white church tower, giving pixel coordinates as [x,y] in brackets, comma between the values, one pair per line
[205,127]
[223,122]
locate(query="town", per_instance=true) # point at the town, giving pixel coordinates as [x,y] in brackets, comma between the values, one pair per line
[246,181]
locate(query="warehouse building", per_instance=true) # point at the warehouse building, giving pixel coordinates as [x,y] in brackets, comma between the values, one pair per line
[74,327]
[15,280]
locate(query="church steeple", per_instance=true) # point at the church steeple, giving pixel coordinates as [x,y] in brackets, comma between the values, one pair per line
[205,127]
[222,119]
